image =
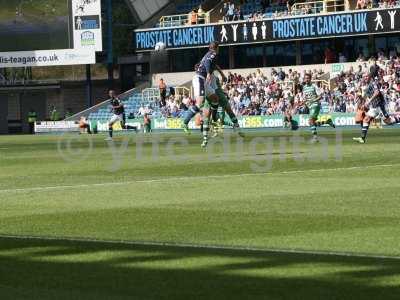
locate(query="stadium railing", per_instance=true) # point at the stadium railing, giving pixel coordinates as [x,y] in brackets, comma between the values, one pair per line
[181,20]
[313,7]
[150,95]
[153,94]
[320,82]
[182,90]
[317,7]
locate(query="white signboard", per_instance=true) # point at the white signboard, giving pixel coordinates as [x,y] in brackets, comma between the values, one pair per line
[46,58]
[86,15]
[58,126]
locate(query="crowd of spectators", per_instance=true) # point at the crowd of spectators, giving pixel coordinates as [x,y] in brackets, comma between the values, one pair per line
[233,10]
[351,84]
[259,94]
[367,4]
[280,8]
[267,9]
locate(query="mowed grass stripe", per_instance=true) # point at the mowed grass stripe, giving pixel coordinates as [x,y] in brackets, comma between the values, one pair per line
[198,246]
[175,179]
[40,269]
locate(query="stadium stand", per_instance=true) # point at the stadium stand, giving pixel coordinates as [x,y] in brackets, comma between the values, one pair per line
[134,105]
[262,94]
[261,10]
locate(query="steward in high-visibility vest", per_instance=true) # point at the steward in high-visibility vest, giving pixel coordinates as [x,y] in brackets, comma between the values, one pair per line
[32,118]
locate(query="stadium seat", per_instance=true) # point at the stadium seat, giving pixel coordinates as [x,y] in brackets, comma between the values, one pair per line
[132,104]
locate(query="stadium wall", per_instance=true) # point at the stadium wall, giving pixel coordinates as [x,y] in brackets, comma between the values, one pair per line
[64,96]
[3,115]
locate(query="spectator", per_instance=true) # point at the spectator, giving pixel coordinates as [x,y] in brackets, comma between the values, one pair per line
[84,125]
[32,118]
[142,111]
[237,15]
[163,92]
[342,58]
[224,11]
[374,69]
[361,4]
[193,17]
[54,115]
[231,11]
[329,56]
[281,75]
[146,123]
[392,53]
[201,15]
[360,58]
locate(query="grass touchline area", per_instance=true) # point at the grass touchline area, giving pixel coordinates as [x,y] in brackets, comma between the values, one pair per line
[115,226]
[33,189]
[200,246]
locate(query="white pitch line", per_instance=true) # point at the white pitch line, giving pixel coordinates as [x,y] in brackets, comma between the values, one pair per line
[175,179]
[201,246]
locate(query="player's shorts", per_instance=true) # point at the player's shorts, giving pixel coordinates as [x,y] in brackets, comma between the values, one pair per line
[198,83]
[212,86]
[202,88]
[374,112]
[314,111]
[209,105]
[116,118]
[223,100]
[360,114]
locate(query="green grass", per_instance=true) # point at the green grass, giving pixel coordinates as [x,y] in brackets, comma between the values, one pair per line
[33,9]
[347,203]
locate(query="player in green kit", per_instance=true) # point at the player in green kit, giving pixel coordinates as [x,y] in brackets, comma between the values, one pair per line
[218,117]
[312,99]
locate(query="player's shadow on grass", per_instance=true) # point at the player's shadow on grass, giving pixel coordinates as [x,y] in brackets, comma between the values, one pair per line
[85,270]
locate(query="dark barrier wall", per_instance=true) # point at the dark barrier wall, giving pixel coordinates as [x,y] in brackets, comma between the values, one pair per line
[353,23]
[3,113]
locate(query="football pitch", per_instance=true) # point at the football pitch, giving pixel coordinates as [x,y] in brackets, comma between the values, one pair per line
[154,216]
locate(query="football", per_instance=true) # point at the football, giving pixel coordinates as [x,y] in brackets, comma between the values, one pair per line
[160,46]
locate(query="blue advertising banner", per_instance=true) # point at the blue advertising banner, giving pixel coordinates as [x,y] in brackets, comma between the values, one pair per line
[352,23]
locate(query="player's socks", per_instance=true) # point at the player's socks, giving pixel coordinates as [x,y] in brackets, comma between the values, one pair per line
[228,123]
[233,118]
[313,129]
[286,122]
[110,132]
[235,124]
[214,114]
[314,138]
[364,131]
[206,129]
[192,111]
[396,119]
[293,124]
[330,123]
